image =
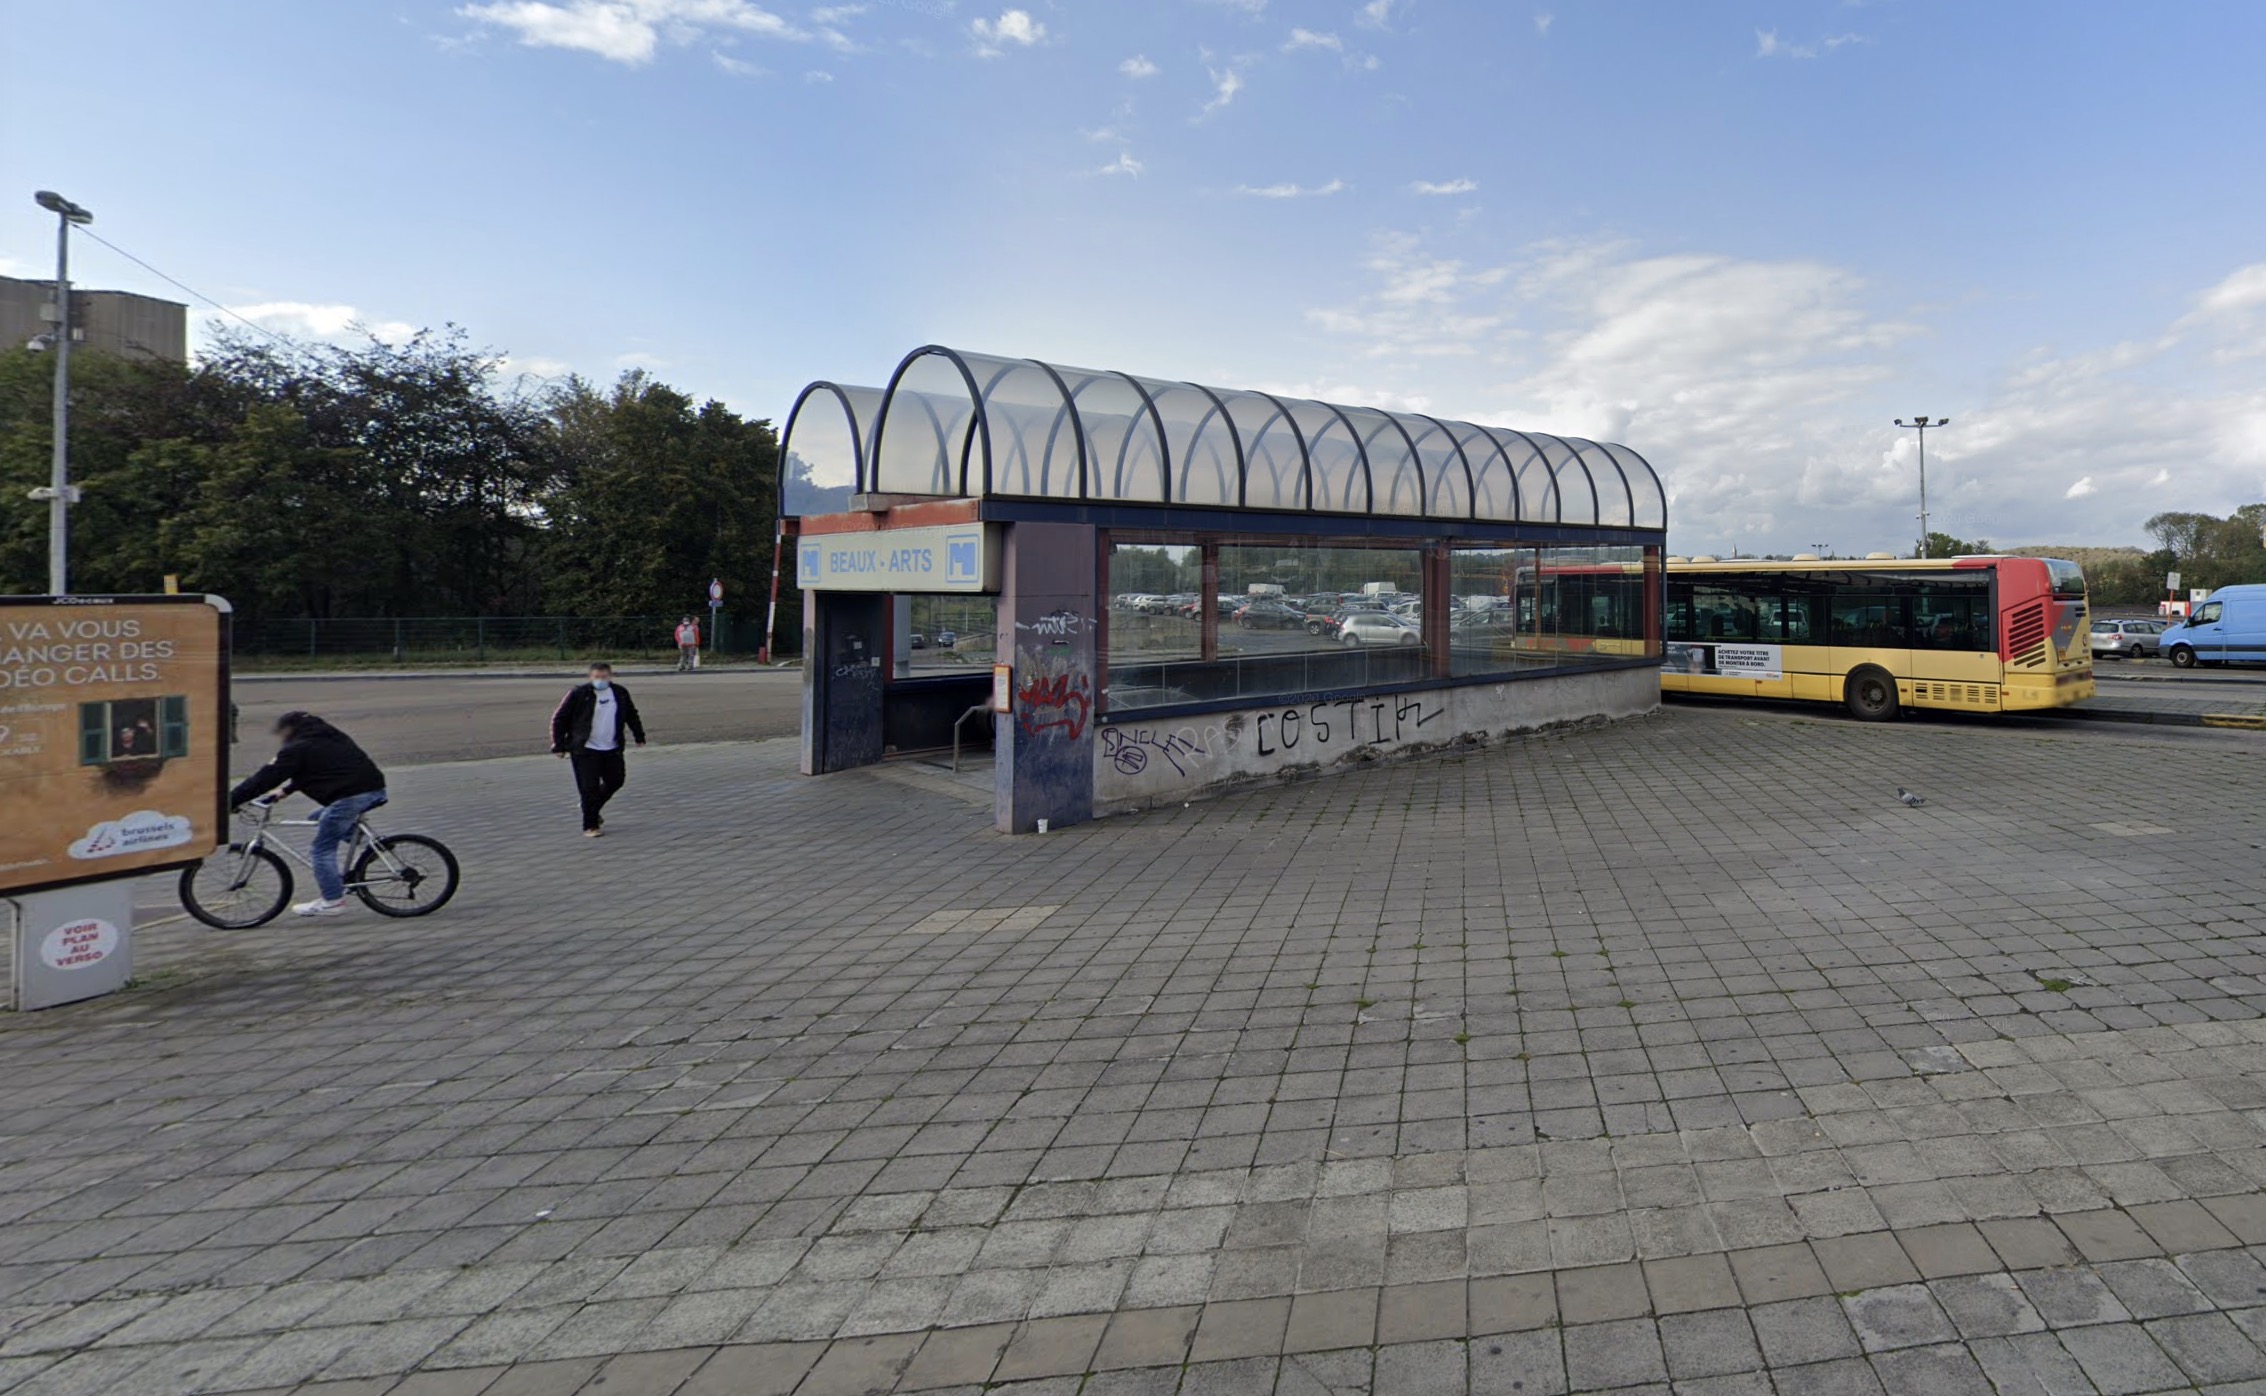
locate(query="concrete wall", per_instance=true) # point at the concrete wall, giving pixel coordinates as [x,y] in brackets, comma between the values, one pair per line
[1138,765]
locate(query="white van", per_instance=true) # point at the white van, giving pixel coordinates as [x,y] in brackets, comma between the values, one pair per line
[2228,628]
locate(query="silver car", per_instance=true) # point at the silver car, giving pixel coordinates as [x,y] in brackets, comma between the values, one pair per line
[1377,628]
[2125,639]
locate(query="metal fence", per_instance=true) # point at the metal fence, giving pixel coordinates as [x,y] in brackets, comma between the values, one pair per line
[378,640]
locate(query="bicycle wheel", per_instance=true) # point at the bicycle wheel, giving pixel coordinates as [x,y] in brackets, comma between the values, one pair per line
[236,888]
[404,875]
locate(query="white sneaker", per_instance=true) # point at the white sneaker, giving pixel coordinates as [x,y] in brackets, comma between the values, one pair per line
[320,907]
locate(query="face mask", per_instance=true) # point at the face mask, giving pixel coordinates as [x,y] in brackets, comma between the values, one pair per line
[601,684]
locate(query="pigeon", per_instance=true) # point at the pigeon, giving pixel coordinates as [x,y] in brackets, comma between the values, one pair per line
[1909,798]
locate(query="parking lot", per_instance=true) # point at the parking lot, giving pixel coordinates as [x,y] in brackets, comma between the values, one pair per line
[1673,1051]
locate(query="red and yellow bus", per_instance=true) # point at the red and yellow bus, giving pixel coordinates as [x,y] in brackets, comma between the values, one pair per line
[1881,634]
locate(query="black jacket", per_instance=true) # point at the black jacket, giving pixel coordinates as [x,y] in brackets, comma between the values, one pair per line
[570,725]
[321,762]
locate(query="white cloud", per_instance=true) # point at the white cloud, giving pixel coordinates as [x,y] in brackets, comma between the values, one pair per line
[2243,290]
[1139,66]
[835,14]
[1124,164]
[533,366]
[2161,477]
[2082,488]
[1769,45]
[1292,191]
[1542,22]
[739,68]
[1452,186]
[1307,38]
[13,266]
[1226,82]
[632,31]
[306,320]
[638,358]
[1249,7]
[1012,27]
[818,75]
[1378,13]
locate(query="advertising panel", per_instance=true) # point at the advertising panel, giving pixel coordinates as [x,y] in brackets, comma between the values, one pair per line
[113,736]
[1724,661]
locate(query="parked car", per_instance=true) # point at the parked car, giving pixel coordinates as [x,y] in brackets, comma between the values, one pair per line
[920,641]
[2125,639]
[1270,615]
[946,639]
[1376,628]
[2229,627]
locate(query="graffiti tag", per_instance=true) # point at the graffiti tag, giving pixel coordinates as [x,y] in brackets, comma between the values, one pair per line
[1054,703]
[1128,748]
[1057,624]
[1385,718]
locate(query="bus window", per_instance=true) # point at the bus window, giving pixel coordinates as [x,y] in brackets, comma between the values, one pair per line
[1801,626]
[1724,614]
[1954,615]
[1869,619]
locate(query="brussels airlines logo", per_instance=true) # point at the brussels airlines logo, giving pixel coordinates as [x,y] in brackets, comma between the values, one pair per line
[960,559]
[138,832]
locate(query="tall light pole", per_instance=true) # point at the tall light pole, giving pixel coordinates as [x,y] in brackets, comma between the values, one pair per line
[1921,424]
[59,494]
[1821,549]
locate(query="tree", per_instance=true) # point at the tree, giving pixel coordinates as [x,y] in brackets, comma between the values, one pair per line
[652,497]
[1944,545]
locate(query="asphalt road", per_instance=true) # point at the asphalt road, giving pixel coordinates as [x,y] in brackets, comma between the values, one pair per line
[454,717]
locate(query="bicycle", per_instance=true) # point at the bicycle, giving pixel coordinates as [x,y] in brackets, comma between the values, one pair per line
[246,884]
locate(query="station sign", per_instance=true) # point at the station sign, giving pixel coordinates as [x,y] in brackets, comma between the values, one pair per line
[931,558]
[113,742]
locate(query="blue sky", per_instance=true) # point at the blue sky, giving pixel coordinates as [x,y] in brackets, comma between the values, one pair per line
[1740,237]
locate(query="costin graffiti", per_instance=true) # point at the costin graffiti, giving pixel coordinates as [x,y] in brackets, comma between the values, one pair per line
[1354,721]
[1053,699]
[1128,748]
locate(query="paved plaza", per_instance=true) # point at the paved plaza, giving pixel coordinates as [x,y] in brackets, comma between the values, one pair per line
[1676,1055]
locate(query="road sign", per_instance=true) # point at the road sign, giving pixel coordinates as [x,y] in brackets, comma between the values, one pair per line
[715,592]
[2171,581]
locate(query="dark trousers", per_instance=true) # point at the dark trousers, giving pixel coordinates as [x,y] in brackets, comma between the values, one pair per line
[598,775]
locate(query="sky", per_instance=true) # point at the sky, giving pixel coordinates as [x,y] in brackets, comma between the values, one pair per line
[1739,236]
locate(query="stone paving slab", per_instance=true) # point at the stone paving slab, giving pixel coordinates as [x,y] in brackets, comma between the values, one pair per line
[1589,1059]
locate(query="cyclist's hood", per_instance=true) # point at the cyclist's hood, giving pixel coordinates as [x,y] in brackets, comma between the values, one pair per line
[307,727]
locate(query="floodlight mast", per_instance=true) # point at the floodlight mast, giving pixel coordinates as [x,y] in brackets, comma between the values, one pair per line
[1921,424]
[59,493]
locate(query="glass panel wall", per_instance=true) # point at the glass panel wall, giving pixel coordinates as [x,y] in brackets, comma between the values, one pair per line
[1286,617]
[1518,609]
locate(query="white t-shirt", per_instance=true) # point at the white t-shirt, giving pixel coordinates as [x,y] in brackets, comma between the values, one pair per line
[605,723]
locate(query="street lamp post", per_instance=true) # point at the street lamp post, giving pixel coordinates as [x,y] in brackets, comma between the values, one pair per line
[1821,549]
[59,493]
[1921,425]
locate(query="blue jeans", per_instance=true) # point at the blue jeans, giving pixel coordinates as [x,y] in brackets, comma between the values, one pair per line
[332,827]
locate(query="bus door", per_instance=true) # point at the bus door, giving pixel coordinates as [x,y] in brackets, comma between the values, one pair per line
[1955,659]
[1872,624]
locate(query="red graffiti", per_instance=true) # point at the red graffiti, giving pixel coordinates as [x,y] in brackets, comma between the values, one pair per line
[1061,702]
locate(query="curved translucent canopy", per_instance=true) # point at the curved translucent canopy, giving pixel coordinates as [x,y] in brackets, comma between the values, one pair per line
[980,426]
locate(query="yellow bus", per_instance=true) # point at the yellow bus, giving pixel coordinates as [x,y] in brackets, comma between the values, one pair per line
[1880,634]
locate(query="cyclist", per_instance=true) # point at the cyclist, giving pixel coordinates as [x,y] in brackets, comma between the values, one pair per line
[325,765]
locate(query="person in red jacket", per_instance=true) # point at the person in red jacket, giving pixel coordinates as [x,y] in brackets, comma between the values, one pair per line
[588,730]
[688,645]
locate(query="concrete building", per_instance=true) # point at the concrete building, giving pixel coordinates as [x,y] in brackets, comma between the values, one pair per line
[1199,587]
[113,322]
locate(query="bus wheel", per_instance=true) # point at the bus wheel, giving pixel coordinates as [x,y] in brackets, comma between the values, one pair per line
[2183,657]
[1871,695]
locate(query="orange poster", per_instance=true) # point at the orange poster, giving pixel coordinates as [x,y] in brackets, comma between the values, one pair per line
[113,735]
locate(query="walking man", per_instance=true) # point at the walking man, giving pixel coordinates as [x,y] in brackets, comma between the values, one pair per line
[325,765]
[587,730]
[688,645]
